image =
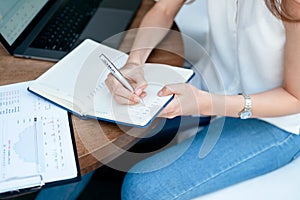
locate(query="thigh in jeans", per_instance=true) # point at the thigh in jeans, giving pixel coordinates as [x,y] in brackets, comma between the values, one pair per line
[245,149]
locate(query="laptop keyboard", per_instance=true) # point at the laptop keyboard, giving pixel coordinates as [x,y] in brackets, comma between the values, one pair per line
[64,29]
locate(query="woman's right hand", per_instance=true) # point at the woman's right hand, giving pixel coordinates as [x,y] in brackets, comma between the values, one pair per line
[135,76]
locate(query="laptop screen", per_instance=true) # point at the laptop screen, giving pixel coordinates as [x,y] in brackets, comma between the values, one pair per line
[15,15]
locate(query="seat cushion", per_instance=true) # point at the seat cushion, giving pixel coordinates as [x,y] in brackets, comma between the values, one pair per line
[280,184]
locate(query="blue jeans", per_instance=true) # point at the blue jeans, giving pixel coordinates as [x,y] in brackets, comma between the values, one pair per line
[245,149]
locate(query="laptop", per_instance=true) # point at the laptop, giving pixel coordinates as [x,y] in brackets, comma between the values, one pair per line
[49,29]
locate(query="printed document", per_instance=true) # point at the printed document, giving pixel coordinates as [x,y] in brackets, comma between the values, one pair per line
[35,140]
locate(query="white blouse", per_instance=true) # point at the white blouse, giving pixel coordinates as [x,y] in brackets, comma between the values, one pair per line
[246,45]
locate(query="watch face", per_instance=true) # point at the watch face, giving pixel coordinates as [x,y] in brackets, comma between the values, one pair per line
[245,115]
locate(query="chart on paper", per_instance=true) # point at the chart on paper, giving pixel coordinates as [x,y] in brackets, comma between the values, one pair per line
[13,153]
[9,102]
[34,134]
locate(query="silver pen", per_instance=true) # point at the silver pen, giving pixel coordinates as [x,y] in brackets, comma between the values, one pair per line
[117,74]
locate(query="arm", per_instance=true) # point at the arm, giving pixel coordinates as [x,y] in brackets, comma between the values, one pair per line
[280,101]
[286,99]
[153,28]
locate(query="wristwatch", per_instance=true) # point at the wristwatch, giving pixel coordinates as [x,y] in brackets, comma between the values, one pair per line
[246,112]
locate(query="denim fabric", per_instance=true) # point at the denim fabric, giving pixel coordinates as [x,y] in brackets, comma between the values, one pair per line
[245,149]
[69,191]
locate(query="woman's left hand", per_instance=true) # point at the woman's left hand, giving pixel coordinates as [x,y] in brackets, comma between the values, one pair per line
[186,101]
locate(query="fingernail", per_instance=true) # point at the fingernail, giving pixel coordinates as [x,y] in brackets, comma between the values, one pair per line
[138,91]
[160,93]
[136,99]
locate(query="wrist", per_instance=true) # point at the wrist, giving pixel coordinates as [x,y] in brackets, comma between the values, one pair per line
[136,58]
[222,105]
[204,100]
[133,64]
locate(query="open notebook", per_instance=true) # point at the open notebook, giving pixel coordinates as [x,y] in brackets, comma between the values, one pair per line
[77,83]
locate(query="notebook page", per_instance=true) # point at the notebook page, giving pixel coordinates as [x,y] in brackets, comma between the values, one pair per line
[72,80]
[59,82]
[157,76]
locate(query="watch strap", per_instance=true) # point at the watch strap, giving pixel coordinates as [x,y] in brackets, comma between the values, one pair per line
[246,112]
[248,103]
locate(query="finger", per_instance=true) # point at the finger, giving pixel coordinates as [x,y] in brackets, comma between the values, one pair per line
[140,87]
[141,93]
[124,101]
[130,99]
[171,110]
[112,83]
[167,113]
[120,93]
[136,77]
[171,89]
[141,83]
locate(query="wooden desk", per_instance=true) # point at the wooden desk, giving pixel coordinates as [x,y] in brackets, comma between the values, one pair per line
[97,141]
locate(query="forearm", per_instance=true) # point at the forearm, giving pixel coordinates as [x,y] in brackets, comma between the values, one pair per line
[273,103]
[153,28]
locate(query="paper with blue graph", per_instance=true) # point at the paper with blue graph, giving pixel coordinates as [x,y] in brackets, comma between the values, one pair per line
[36,146]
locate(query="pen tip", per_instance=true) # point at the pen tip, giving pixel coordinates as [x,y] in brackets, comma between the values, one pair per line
[142,102]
